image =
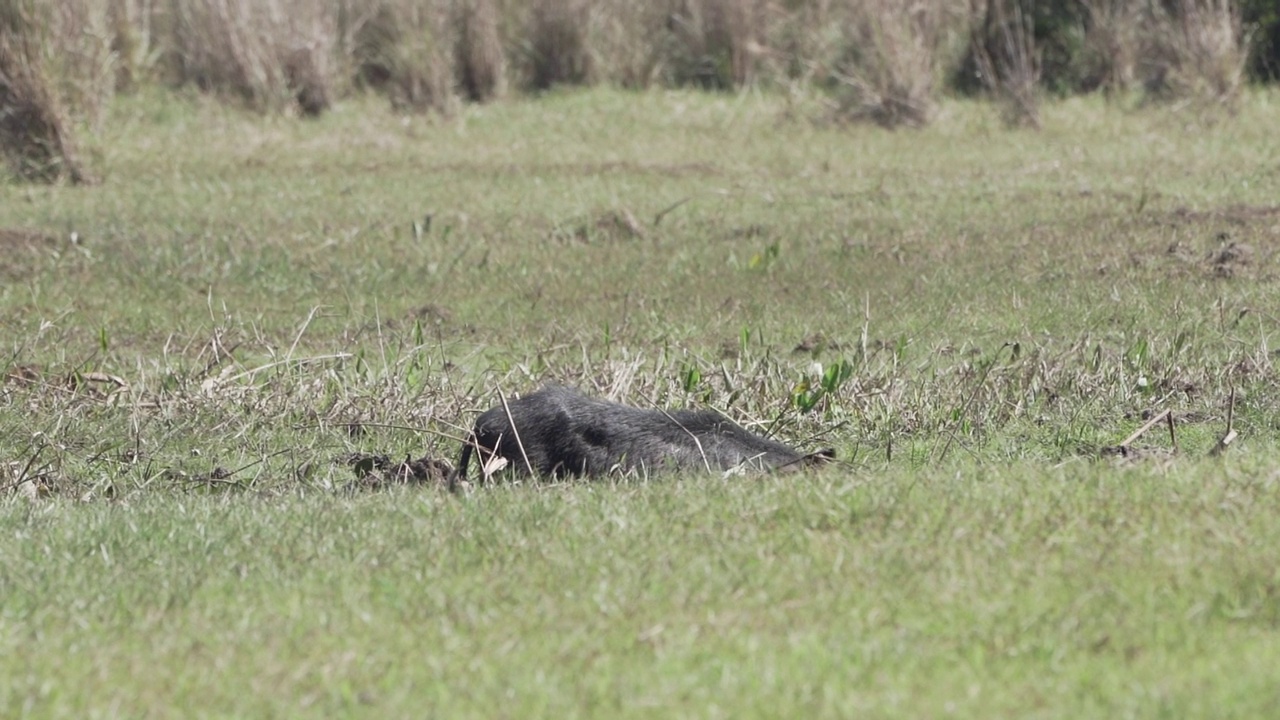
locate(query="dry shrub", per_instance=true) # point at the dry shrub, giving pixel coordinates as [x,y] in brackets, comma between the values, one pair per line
[1199,51]
[136,28]
[719,43]
[707,43]
[479,57]
[35,126]
[274,54]
[410,48]
[1004,48]
[82,62]
[1113,39]
[631,41]
[550,38]
[889,59]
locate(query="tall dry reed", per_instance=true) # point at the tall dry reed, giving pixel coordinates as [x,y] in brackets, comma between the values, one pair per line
[36,128]
[891,57]
[1004,47]
[273,54]
[1198,52]
[408,48]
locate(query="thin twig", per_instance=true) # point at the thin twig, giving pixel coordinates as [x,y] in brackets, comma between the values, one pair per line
[259,461]
[1167,415]
[964,408]
[702,453]
[515,431]
[24,476]
[298,338]
[387,426]
[1230,435]
[658,218]
[300,361]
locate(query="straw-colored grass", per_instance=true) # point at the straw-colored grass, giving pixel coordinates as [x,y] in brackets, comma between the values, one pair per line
[37,134]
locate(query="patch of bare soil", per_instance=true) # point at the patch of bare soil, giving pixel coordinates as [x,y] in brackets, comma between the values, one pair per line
[378,472]
[577,169]
[815,344]
[1125,456]
[1231,259]
[1235,214]
[19,249]
[608,226]
[1236,241]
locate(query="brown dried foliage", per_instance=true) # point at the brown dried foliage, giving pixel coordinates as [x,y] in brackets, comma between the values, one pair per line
[1004,47]
[273,54]
[35,129]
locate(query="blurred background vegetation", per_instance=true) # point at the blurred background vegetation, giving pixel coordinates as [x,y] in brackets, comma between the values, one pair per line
[884,61]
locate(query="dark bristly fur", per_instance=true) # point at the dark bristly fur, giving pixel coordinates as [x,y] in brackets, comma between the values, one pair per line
[564,433]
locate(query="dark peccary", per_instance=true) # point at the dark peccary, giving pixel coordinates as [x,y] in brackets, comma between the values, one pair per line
[564,433]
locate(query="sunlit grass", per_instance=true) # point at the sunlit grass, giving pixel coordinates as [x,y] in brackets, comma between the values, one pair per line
[967,314]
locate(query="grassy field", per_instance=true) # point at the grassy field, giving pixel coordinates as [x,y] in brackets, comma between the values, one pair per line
[970,315]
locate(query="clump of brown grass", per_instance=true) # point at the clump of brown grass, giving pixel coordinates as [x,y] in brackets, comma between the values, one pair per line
[410,49]
[706,43]
[274,54]
[36,136]
[889,58]
[1198,52]
[479,57]
[631,41]
[552,37]
[133,42]
[719,43]
[1112,37]
[1004,48]
[81,63]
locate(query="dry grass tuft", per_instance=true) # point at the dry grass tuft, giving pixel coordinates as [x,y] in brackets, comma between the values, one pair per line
[1113,38]
[134,27]
[889,59]
[553,41]
[885,59]
[273,54]
[1004,48]
[719,43]
[479,57]
[79,56]
[631,42]
[1198,52]
[410,49]
[35,126]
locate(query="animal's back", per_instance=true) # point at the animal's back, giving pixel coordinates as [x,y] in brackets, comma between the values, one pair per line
[559,431]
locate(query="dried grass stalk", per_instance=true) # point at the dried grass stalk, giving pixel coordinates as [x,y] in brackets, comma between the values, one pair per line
[889,59]
[36,136]
[1113,37]
[410,48]
[479,57]
[274,54]
[1198,52]
[1004,47]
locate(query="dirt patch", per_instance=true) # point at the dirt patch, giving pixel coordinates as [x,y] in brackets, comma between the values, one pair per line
[1231,259]
[608,226]
[1235,241]
[572,169]
[1238,214]
[20,249]
[378,472]
[815,344]
[20,238]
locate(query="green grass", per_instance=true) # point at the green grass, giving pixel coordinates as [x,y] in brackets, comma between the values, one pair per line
[1009,303]
[1011,592]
